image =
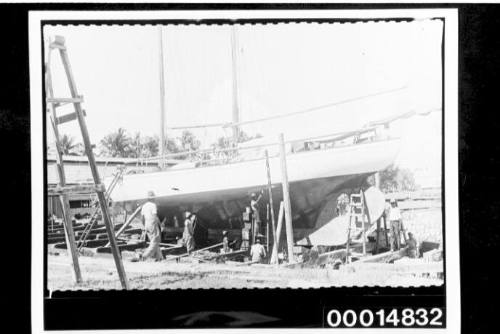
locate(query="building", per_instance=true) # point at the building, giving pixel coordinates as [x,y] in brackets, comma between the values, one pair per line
[77,171]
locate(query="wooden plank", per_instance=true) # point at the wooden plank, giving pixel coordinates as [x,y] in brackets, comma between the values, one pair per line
[383,257]
[286,200]
[68,118]
[231,254]
[63,100]
[196,251]
[274,255]
[322,259]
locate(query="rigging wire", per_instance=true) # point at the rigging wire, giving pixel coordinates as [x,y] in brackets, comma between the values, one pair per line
[303,111]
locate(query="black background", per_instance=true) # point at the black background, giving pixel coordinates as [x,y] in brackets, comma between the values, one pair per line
[479,55]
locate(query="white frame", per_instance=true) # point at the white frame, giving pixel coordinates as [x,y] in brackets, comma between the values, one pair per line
[450,16]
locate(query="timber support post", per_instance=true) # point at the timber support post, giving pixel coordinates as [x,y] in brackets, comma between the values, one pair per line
[286,200]
[363,224]
[271,204]
[367,213]
[274,255]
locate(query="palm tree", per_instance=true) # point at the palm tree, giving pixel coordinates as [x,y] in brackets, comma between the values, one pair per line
[117,144]
[67,144]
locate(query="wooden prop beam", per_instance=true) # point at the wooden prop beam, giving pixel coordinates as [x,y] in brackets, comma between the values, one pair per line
[196,251]
[286,200]
[367,212]
[270,194]
[127,223]
[274,255]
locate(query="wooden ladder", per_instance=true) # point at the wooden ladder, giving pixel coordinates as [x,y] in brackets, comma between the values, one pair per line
[52,103]
[357,212]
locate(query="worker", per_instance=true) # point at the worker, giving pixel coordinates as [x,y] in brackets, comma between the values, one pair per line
[225,243]
[188,235]
[395,220]
[412,246]
[151,222]
[258,252]
[254,205]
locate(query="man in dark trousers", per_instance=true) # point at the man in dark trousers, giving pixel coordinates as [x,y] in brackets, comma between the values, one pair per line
[188,235]
[225,243]
[258,252]
[395,220]
[254,205]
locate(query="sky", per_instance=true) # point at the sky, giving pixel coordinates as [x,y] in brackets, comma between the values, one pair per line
[281,68]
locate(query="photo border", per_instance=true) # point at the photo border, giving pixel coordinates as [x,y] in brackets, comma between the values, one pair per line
[450,120]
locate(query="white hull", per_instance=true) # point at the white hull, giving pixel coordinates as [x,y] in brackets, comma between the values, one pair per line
[207,184]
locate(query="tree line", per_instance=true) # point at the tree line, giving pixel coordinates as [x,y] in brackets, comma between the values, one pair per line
[119,144]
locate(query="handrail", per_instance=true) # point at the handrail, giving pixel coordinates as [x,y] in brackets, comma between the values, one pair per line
[336,134]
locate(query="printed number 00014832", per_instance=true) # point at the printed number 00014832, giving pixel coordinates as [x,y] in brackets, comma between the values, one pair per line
[406,317]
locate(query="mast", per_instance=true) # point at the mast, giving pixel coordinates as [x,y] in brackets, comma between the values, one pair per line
[163,142]
[235,106]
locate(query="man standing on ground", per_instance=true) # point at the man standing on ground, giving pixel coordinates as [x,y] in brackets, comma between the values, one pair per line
[225,243]
[151,222]
[188,235]
[395,220]
[258,252]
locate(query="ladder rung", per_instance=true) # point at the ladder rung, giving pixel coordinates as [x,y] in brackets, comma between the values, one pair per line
[64,100]
[68,117]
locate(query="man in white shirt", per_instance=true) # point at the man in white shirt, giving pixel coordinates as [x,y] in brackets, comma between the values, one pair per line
[149,213]
[395,220]
[257,251]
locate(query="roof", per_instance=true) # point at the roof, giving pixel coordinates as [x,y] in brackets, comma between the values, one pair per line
[109,160]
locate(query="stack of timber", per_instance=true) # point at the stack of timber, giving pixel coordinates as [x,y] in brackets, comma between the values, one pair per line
[96,237]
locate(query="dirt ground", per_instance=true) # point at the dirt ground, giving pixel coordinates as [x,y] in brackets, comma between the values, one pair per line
[100,273]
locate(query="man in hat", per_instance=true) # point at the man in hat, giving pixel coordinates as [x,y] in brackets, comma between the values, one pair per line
[395,220]
[188,234]
[258,252]
[151,222]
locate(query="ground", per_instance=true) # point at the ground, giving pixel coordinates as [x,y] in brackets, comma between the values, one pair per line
[100,273]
